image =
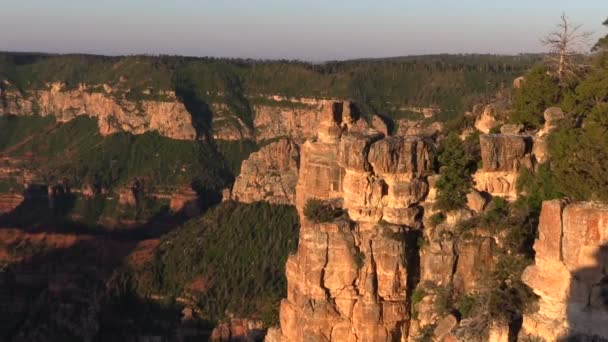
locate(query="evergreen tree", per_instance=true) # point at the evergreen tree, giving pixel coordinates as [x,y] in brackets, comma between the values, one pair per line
[538,92]
[602,44]
[455,175]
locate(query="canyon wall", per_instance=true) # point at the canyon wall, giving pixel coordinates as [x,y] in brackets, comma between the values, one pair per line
[350,278]
[570,273]
[169,118]
[269,174]
[503,156]
[117,111]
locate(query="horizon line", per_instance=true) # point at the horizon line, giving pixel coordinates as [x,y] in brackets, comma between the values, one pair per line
[268,59]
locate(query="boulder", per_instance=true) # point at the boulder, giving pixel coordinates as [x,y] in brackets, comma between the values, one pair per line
[552,117]
[518,82]
[553,114]
[476,201]
[418,128]
[445,326]
[380,125]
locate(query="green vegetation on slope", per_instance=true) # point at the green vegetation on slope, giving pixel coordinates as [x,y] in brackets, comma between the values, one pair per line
[383,86]
[76,155]
[578,149]
[539,92]
[229,260]
[457,161]
[77,152]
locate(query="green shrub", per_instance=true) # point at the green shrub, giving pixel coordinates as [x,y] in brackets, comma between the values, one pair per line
[359,258]
[467,305]
[536,187]
[426,334]
[319,211]
[417,296]
[578,153]
[437,219]
[455,174]
[444,299]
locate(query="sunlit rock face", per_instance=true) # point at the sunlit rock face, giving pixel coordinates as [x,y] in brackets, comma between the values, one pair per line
[169,118]
[349,279]
[165,113]
[487,119]
[503,156]
[569,273]
[269,175]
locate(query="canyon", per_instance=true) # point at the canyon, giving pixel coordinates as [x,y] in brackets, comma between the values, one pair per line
[389,264]
[353,279]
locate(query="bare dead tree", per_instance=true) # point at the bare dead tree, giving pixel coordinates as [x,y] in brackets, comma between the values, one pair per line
[564,43]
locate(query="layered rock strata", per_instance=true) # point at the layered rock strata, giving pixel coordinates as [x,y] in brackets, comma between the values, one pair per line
[115,114]
[570,273]
[350,279]
[163,112]
[269,175]
[503,156]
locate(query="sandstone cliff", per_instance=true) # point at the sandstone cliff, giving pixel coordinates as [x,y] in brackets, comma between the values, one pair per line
[569,274]
[350,279]
[300,119]
[275,116]
[502,156]
[115,114]
[269,174]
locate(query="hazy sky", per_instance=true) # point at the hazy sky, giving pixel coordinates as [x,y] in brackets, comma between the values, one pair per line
[311,30]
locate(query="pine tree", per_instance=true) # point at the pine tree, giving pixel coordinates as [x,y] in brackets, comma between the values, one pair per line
[455,178]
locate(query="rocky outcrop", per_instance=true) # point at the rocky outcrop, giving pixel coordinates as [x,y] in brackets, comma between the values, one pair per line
[300,119]
[348,282]
[487,120]
[375,179]
[569,274]
[272,116]
[10,201]
[184,201]
[237,329]
[269,175]
[350,279]
[115,114]
[518,82]
[505,152]
[502,155]
[552,117]
[380,124]
[418,128]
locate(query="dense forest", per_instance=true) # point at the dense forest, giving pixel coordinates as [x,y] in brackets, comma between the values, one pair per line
[382,86]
